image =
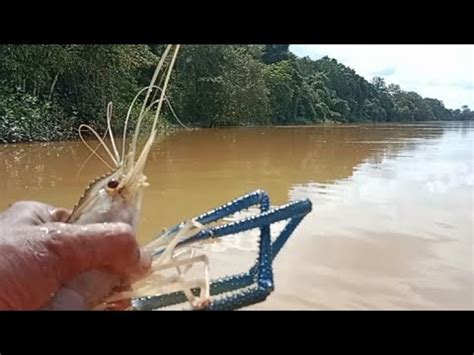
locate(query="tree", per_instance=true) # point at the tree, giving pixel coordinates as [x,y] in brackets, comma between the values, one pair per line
[379,84]
[281,91]
[274,53]
[47,91]
[219,85]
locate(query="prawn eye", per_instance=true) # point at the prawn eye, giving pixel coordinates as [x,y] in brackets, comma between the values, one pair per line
[112,184]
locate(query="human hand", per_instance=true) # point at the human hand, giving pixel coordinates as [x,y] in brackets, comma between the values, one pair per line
[48,264]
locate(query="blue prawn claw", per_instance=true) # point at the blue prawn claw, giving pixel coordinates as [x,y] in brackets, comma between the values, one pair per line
[247,288]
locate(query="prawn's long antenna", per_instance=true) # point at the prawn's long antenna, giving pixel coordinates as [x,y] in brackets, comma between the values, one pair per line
[174,114]
[140,162]
[148,109]
[150,88]
[165,85]
[128,118]
[158,87]
[101,142]
[169,105]
[146,149]
[94,152]
[144,114]
[109,128]
[157,101]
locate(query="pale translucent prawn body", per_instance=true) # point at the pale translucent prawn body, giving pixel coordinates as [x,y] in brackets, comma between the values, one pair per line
[117,197]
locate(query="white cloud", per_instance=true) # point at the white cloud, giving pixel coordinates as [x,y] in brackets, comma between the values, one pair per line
[444,72]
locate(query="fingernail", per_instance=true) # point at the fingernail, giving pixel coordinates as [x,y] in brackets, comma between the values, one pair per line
[142,267]
[145,259]
[59,214]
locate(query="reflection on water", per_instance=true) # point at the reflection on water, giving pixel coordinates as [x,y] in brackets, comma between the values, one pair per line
[393,204]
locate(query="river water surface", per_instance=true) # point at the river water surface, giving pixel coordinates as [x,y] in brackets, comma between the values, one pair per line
[392,221]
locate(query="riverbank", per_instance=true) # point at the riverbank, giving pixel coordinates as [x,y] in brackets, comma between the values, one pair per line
[21,131]
[51,133]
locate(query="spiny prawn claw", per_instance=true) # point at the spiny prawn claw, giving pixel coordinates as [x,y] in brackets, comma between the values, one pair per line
[202,304]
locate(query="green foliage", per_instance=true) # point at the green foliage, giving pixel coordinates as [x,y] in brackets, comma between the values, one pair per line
[24,117]
[47,91]
[273,53]
[244,91]
[219,86]
[281,90]
[79,79]
[464,114]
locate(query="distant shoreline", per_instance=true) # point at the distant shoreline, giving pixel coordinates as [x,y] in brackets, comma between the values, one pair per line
[322,124]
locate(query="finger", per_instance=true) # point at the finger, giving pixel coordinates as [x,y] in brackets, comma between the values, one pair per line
[60,215]
[141,268]
[66,299]
[108,246]
[28,213]
[96,285]
[93,286]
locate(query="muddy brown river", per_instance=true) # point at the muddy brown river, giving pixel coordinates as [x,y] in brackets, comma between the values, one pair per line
[392,221]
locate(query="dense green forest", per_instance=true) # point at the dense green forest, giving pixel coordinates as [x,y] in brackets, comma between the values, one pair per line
[47,91]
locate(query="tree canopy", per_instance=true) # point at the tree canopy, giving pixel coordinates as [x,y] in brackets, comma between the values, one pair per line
[47,91]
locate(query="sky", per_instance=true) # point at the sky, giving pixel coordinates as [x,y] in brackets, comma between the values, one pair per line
[444,72]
